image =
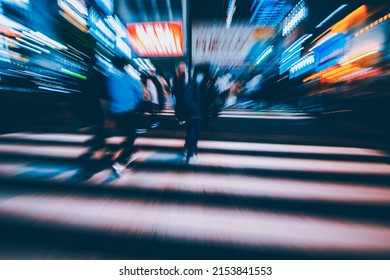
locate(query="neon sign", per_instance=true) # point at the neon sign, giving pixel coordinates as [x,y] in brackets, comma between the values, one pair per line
[303,65]
[298,13]
[157,38]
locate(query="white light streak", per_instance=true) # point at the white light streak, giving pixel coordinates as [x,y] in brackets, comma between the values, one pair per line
[290,56]
[53,89]
[358,58]
[32,45]
[303,62]
[47,40]
[78,6]
[230,12]
[298,42]
[323,41]
[264,54]
[298,13]
[113,23]
[331,15]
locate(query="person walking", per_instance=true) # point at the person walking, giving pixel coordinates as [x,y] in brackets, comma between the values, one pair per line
[125,94]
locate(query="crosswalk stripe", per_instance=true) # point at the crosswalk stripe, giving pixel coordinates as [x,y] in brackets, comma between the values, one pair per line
[225,226]
[202,144]
[265,116]
[226,184]
[239,162]
[263,147]
[251,113]
[270,163]
[217,160]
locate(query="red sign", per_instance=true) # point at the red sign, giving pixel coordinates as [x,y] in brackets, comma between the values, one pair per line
[157,38]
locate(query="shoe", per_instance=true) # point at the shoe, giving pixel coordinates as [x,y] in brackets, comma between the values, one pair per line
[154,125]
[95,144]
[192,159]
[182,122]
[118,168]
[141,130]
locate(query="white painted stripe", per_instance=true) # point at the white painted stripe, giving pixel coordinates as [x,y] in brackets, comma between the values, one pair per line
[214,184]
[39,150]
[271,113]
[63,137]
[275,117]
[255,187]
[266,117]
[250,113]
[225,226]
[219,160]
[205,144]
[278,164]
[260,147]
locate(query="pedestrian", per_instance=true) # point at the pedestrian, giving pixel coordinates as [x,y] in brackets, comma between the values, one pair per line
[178,90]
[125,94]
[193,100]
[89,105]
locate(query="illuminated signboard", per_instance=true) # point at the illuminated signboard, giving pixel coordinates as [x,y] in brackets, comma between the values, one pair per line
[305,64]
[76,12]
[122,47]
[101,30]
[330,50]
[269,13]
[20,3]
[287,61]
[4,52]
[16,9]
[107,6]
[264,54]
[223,47]
[298,13]
[157,38]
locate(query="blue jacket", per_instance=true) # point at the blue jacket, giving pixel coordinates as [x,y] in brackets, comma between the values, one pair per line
[124,92]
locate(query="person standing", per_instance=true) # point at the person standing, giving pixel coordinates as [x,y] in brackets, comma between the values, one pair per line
[193,100]
[178,90]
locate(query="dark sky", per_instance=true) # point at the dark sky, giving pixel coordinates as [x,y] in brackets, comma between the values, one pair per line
[215,10]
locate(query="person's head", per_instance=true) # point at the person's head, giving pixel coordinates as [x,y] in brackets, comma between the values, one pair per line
[181,69]
[119,62]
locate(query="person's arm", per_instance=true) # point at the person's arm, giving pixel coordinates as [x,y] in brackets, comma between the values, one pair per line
[147,95]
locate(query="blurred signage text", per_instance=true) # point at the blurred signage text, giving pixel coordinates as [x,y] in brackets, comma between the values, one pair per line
[154,39]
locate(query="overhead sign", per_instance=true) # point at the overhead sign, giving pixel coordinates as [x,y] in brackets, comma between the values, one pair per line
[107,6]
[296,16]
[305,64]
[76,12]
[19,3]
[221,46]
[100,29]
[155,39]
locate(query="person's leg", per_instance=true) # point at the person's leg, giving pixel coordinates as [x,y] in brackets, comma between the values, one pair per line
[154,117]
[195,134]
[98,140]
[193,130]
[187,143]
[127,126]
